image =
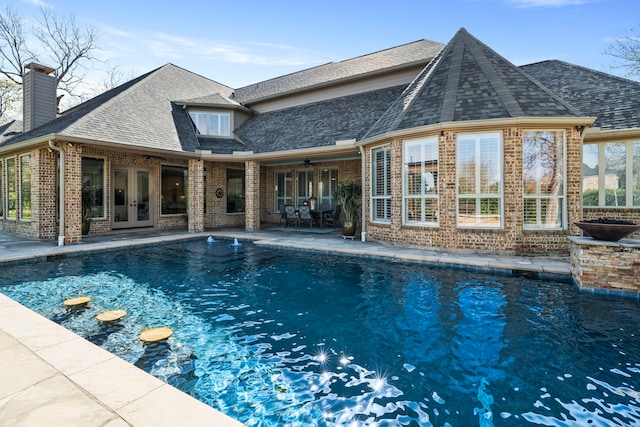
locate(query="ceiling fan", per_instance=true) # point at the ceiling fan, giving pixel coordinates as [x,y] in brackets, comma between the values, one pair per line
[308,163]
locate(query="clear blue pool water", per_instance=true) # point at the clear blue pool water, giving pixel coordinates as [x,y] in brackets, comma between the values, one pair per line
[277,337]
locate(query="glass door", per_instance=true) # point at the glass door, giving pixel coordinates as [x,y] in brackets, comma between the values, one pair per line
[132,191]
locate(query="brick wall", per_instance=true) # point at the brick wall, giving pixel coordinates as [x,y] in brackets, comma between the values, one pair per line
[196,195]
[252,196]
[216,215]
[512,238]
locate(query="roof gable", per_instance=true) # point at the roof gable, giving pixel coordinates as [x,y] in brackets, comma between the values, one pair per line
[140,113]
[469,81]
[614,101]
[411,54]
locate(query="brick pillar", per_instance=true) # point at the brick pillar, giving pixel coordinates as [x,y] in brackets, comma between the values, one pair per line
[195,208]
[72,193]
[396,190]
[252,195]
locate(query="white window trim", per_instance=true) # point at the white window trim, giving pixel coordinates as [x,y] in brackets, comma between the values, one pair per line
[374,220]
[602,172]
[104,186]
[405,221]
[19,186]
[208,113]
[6,186]
[500,195]
[564,220]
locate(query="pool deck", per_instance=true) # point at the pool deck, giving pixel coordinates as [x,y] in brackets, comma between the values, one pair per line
[52,377]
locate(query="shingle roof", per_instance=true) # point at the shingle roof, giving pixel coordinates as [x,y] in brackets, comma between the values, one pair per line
[139,113]
[615,101]
[212,100]
[469,81]
[10,129]
[411,54]
[318,124]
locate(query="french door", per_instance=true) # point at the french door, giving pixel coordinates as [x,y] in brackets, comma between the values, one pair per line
[132,195]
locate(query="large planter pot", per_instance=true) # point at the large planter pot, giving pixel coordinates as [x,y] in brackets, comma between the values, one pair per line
[348,228]
[86,225]
[610,232]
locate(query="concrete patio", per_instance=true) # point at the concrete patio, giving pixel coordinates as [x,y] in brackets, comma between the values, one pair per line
[52,377]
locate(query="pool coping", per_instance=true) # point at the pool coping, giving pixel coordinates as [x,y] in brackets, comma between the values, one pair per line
[55,376]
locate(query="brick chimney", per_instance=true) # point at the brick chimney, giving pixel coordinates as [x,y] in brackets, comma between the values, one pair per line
[39,95]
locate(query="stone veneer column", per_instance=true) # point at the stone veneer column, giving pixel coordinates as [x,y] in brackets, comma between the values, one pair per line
[72,192]
[195,207]
[252,196]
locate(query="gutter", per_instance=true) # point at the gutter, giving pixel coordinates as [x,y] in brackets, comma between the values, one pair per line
[60,151]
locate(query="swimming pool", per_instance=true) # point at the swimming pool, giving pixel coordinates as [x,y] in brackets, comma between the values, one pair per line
[277,337]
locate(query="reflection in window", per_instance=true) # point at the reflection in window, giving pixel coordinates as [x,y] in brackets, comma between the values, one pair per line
[93,178]
[25,187]
[12,197]
[305,186]
[479,173]
[381,184]
[543,174]
[420,170]
[326,186]
[235,190]
[284,190]
[174,190]
[211,123]
[611,174]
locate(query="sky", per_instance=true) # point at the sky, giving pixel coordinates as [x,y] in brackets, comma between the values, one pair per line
[242,42]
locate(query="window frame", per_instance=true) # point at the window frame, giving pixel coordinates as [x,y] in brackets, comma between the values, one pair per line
[24,194]
[538,196]
[209,116]
[11,188]
[2,179]
[424,196]
[280,194]
[244,196]
[185,185]
[331,181]
[602,180]
[385,196]
[104,185]
[478,195]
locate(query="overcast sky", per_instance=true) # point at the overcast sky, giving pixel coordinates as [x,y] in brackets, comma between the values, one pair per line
[239,43]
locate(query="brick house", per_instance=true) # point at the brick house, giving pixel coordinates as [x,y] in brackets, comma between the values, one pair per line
[455,147]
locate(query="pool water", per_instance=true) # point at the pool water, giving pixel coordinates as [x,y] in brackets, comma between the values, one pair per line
[276,337]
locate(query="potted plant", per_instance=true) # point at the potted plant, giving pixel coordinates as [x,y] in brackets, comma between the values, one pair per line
[88,203]
[347,194]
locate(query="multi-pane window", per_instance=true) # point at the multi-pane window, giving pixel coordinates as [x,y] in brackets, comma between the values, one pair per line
[12,195]
[611,174]
[543,172]
[381,184]
[479,180]
[420,176]
[25,187]
[211,123]
[93,178]
[235,191]
[174,190]
[327,182]
[284,190]
[305,186]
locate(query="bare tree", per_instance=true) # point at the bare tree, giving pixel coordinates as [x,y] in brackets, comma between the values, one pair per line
[59,42]
[627,50]
[9,97]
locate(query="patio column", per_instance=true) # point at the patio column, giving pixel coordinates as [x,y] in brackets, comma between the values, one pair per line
[195,207]
[252,195]
[73,192]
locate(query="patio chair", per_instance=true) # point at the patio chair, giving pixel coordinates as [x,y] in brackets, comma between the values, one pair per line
[305,215]
[334,219]
[290,215]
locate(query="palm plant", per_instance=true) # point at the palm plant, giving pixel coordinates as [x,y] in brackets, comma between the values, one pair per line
[347,194]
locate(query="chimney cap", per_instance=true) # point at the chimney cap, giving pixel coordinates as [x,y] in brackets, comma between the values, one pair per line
[42,68]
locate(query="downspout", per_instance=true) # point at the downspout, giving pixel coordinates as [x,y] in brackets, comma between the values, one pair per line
[363,225]
[60,151]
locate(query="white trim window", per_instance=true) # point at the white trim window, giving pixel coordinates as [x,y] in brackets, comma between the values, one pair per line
[25,187]
[611,174]
[420,181]
[2,207]
[381,184]
[543,180]
[212,123]
[479,180]
[11,191]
